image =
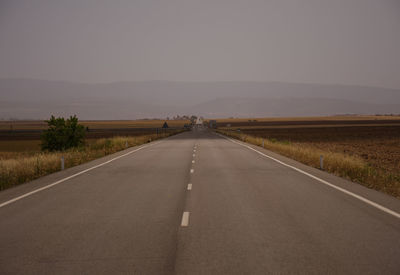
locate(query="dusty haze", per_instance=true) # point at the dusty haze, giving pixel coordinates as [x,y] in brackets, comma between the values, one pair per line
[158,99]
[334,43]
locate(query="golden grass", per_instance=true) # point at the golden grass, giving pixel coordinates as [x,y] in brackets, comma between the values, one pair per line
[351,167]
[17,168]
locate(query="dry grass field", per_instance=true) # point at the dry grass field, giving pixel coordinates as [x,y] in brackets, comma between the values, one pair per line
[21,159]
[365,150]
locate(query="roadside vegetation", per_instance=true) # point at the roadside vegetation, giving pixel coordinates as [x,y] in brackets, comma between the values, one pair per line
[21,167]
[64,138]
[368,155]
[63,134]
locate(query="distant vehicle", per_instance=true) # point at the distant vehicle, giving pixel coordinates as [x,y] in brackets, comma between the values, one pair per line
[199,121]
[212,124]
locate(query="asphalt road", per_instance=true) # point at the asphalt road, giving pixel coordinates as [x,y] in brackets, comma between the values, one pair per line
[197,203]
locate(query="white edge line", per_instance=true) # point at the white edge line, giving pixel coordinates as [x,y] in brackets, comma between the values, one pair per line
[70,177]
[367,201]
[185,219]
[189,187]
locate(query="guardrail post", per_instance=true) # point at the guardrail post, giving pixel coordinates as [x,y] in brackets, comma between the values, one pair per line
[126,144]
[62,162]
[263,143]
[321,162]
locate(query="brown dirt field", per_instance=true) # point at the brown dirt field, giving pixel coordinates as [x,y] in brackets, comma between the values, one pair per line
[19,146]
[93,124]
[379,146]
[304,123]
[31,130]
[379,153]
[295,119]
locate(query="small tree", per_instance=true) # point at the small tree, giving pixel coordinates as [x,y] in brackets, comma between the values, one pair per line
[63,134]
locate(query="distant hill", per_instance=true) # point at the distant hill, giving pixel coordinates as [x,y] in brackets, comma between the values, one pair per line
[38,99]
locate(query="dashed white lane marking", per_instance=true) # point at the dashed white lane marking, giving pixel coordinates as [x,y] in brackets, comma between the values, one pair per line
[189,187]
[185,219]
[367,201]
[194,155]
[192,161]
[72,176]
[194,150]
[192,171]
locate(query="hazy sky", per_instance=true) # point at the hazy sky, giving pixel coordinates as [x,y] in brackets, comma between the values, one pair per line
[332,41]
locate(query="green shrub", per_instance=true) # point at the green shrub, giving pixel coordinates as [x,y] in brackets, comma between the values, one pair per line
[62,134]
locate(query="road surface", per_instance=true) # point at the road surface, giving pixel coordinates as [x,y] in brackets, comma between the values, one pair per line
[197,203]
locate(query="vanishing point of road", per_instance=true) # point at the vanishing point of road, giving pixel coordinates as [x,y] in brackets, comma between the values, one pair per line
[197,203]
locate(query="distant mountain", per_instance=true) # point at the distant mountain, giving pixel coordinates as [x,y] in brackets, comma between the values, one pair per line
[38,99]
[273,107]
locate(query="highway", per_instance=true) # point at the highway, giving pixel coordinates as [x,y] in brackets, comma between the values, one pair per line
[197,203]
